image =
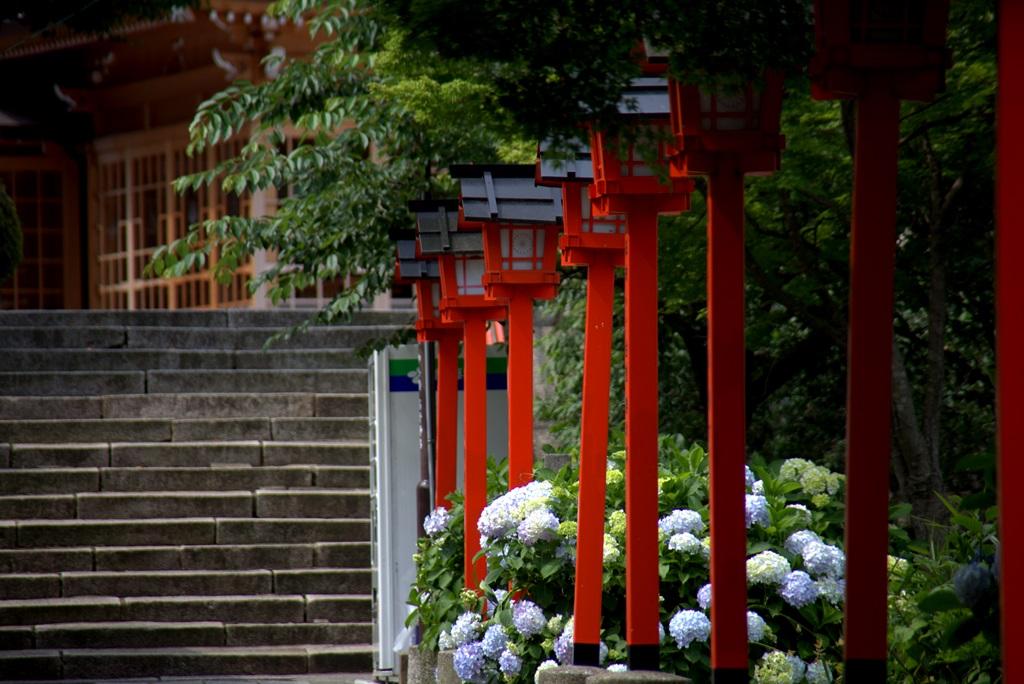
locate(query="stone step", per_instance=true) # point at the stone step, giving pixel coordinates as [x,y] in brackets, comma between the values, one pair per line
[85,430]
[38,482]
[29,534]
[313,608]
[76,383]
[191,662]
[92,383]
[177,455]
[189,337]
[223,318]
[196,405]
[347,337]
[174,359]
[262,503]
[180,634]
[185,583]
[255,380]
[351,555]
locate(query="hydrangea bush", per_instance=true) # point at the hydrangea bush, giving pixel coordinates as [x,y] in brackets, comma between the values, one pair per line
[521,619]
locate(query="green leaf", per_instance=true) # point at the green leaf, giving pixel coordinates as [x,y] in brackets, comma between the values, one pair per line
[939,600]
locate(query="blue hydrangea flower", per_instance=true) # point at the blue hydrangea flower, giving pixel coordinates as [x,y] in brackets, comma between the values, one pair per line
[796,542]
[509,663]
[824,560]
[469,662]
[688,626]
[494,641]
[563,645]
[537,525]
[755,627]
[749,476]
[437,521]
[973,584]
[818,673]
[466,628]
[767,567]
[681,520]
[756,511]
[757,488]
[799,667]
[685,543]
[798,589]
[602,653]
[528,618]
[704,597]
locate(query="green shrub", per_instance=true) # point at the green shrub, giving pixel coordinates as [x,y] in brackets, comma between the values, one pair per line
[10,236]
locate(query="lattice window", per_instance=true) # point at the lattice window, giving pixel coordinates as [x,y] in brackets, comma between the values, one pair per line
[39,198]
[138,211]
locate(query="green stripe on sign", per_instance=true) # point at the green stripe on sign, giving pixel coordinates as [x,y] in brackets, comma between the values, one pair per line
[495,364]
[403,366]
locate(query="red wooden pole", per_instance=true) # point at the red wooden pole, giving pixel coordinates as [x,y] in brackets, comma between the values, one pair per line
[447,419]
[642,578]
[1010,334]
[474,427]
[597,355]
[869,384]
[727,423]
[520,389]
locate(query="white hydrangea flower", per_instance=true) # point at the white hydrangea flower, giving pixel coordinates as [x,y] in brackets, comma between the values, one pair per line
[546,665]
[611,549]
[539,524]
[685,543]
[767,567]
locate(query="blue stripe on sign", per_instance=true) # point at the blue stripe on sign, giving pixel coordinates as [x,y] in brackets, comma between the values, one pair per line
[404,383]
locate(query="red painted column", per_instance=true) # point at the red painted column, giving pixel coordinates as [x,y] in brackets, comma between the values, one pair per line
[597,357]
[727,424]
[447,419]
[520,390]
[1010,334]
[869,384]
[474,427]
[642,578]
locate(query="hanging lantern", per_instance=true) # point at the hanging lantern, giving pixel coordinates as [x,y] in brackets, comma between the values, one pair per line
[741,122]
[439,230]
[521,222]
[581,229]
[638,168]
[898,42]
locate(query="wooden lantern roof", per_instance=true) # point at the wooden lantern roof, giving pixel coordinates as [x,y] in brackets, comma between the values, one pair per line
[506,193]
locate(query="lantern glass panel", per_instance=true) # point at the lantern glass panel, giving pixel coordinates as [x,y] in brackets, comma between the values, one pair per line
[435,299]
[522,249]
[469,274]
[590,224]
[736,110]
[887,22]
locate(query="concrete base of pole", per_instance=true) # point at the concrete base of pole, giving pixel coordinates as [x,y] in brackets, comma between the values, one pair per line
[637,677]
[422,666]
[568,674]
[446,668]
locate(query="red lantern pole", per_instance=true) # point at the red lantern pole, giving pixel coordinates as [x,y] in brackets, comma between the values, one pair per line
[642,578]
[597,353]
[1010,334]
[447,419]
[869,383]
[727,421]
[474,450]
[520,388]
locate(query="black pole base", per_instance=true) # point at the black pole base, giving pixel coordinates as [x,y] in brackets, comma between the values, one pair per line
[729,675]
[864,671]
[643,656]
[586,654]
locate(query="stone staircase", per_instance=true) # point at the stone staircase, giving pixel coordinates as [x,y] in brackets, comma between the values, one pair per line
[176,501]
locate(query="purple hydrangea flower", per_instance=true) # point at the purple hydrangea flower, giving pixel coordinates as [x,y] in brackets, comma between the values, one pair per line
[796,542]
[509,663]
[688,626]
[469,662]
[528,618]
[756,511]
[755,627]
[704,597]
[798,589]
[437,521]
[824,560]
[494,641]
